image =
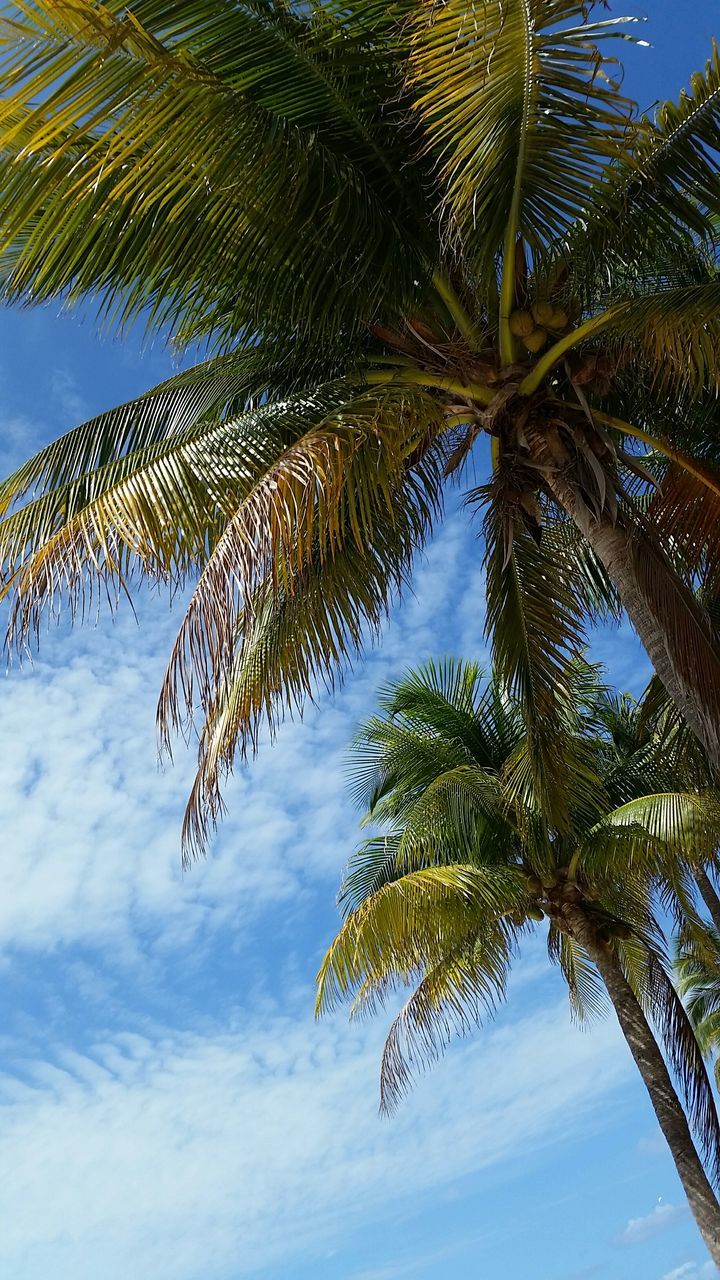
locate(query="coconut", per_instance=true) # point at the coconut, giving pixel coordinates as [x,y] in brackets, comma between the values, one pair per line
[543,312]
[521,324]
[536,340]
[558,320]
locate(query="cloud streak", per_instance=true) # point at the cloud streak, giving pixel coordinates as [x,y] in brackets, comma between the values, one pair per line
[180,1155]
[91,828]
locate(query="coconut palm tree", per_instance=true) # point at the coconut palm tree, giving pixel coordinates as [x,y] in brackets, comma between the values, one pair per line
[467,863]
[398,229]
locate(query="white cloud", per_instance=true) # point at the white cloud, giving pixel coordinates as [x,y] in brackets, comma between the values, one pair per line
[90,848]
[692,1271]
[195,1158]
[660,1219]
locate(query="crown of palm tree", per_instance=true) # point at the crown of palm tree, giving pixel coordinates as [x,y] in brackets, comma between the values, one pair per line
[398,228]
[465,862]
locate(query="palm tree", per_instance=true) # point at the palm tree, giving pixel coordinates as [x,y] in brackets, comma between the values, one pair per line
[467,862]
[398,229]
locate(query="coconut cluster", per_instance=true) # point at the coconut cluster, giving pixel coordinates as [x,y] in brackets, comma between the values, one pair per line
[533,326]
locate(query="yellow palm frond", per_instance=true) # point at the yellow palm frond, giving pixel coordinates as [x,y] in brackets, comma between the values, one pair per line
[410,925]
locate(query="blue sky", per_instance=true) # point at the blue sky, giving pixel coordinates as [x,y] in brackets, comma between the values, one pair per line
[169,1109]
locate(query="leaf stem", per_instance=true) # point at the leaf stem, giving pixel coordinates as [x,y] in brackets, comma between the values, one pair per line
[507,281]
[689,464]
[532,381]
[423,378]
[445,291]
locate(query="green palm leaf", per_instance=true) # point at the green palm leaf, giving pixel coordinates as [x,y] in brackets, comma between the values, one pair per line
[451,999]
[510,95]
[536,628]
[666,189]
[159,509]
[201,143]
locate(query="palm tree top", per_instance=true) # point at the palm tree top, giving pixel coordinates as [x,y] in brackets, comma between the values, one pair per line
[399,228]
[464,862]
[304,170]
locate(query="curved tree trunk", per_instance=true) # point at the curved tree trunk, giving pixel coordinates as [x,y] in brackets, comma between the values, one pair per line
[651,1065]
[662,609]
[709,895]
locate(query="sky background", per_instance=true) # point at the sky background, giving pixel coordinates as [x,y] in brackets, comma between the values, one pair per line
[169,1109]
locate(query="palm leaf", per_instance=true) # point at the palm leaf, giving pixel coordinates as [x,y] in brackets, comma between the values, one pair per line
[665,187]
[290,642]
[374,864]
[410,924]
[684,822]
[210,392]
[697,973]
[327,488]
[686,1059]
[451,999]
[158,510]
[212,148]
[519,114]
[588,998]
[536,628]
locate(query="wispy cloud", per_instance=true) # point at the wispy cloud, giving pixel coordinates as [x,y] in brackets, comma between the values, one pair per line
[179,1155]
[68,399]
[692,1271]
[91,828]
[661,1218]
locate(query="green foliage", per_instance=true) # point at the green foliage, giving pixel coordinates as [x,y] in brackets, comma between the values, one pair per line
[465,864]
[346,203]
[697,967]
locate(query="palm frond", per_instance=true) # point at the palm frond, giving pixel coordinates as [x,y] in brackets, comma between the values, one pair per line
[519,112]
[685,822]
[211,392]
[451,999]
[686,510]
[376,863]
[290,643]
[339,510]
[209,150]
[686,1059]
[592,585]
[675,332]
[665,188]
[672,744]
[460,813]
[158,509]
[535,625]
[588,998]
[408,926]
[697,976]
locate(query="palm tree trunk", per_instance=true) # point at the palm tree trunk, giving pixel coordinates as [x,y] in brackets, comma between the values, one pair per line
[662,609]
[709,895]
[651,1065]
